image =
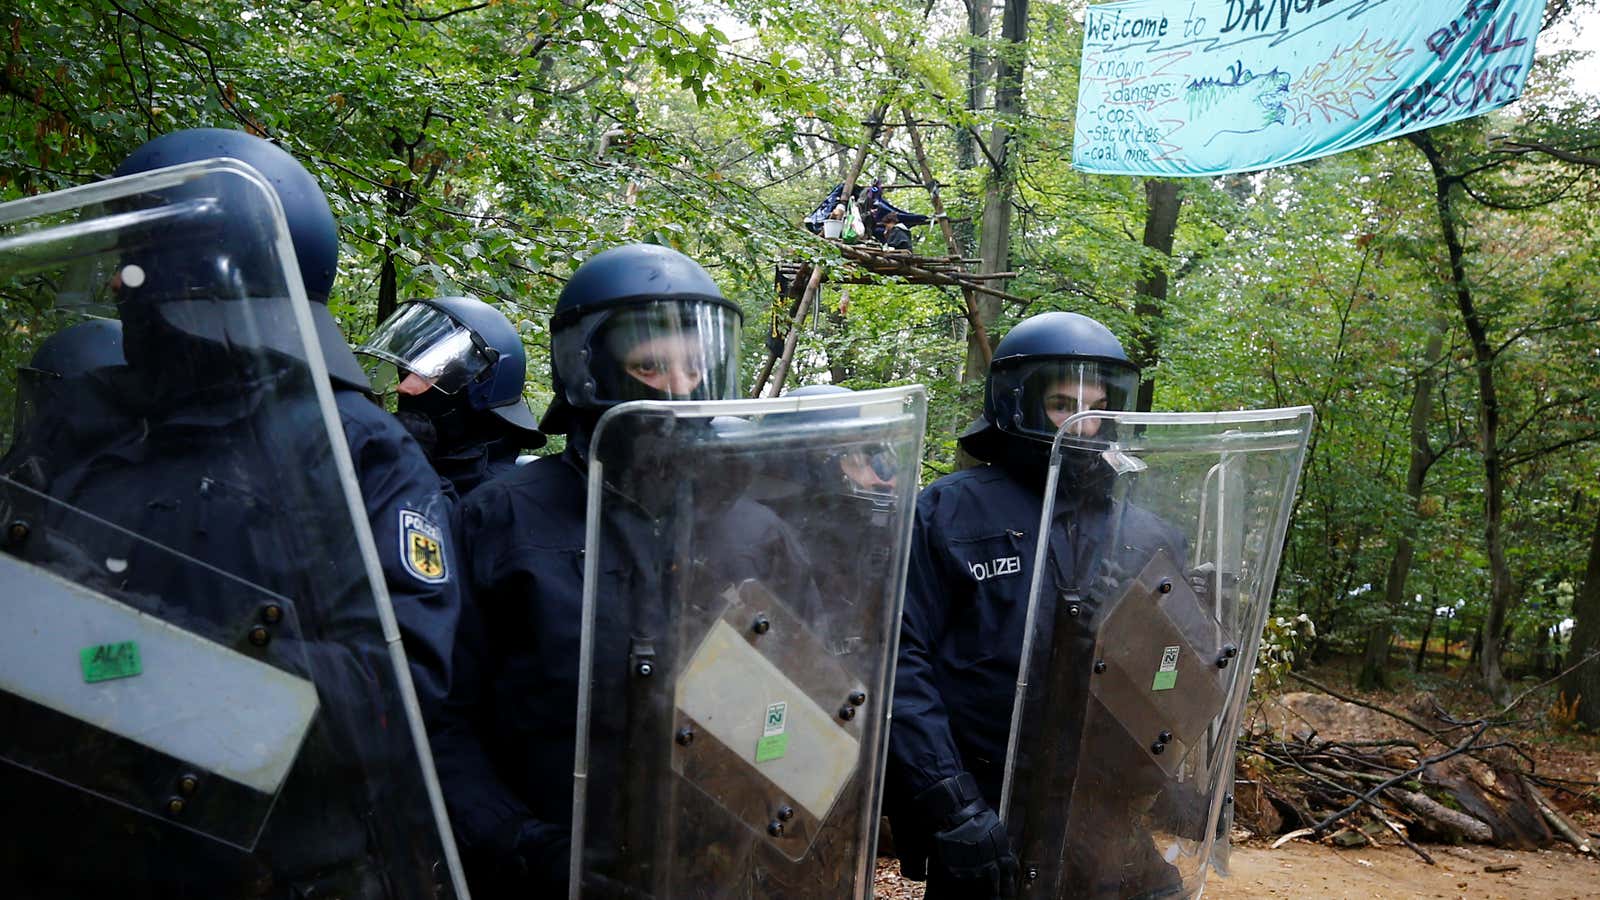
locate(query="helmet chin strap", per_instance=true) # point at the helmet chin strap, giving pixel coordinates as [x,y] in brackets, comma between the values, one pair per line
[1084,474]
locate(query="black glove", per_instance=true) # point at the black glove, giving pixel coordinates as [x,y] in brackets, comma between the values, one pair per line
[525,856]
[969,842]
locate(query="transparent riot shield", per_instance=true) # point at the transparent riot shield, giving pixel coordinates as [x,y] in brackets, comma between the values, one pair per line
[743,582]
[201,677]
[1160,540]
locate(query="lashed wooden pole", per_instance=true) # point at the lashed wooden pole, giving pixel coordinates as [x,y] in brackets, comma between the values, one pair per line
[973,318]
[780,372]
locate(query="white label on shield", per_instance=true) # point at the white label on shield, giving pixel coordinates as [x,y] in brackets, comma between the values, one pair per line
[731,690]
[1169,659]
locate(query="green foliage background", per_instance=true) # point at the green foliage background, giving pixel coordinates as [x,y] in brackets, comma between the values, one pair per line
[487,147]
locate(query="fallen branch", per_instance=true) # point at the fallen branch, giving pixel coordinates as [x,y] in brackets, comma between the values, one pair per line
[1467,826]
[1405,839]
[1297,833]
[1560,823]
[1418,769]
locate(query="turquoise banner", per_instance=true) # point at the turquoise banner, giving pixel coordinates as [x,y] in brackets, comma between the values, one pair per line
[1208,87]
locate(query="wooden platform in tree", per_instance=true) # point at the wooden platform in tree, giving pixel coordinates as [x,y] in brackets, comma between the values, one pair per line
[872,263]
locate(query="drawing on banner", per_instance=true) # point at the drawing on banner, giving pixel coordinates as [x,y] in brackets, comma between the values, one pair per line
[1209,87]
[1242,96]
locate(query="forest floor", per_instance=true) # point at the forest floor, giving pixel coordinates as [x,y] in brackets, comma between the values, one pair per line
[1302,870]
[1387,869]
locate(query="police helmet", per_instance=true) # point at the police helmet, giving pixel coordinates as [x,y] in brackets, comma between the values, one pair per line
[181,273]
[640,322]
[861,470]
[83,347]
[461,346]
[75,350]
[1047,368]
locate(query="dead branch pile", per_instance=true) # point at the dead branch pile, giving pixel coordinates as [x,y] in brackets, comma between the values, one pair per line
[1437,779]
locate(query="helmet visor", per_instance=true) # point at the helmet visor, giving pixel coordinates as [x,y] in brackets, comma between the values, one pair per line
[421,340]
[657,350]
[1033,398]
[870,470]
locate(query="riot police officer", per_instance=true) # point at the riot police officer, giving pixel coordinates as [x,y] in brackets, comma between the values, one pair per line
[457,365]
[72,352]
[634,322]
[218,487]
[967,595]
[404,506]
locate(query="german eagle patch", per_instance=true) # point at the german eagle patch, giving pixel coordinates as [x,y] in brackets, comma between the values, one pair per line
[422,547]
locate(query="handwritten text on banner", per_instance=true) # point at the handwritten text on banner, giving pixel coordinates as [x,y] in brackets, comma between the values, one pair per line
[1207,87]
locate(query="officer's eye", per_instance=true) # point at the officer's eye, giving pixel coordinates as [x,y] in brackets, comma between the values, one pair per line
[648,366]
[1061,403]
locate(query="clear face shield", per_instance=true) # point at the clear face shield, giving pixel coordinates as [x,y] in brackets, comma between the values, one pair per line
[661,350]
[1036,397]
[419,347]
[33,388]
[870,471]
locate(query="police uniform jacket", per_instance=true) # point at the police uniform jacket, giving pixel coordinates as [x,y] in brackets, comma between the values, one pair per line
[506,747]
[972,561]
[466,468]
[194,470]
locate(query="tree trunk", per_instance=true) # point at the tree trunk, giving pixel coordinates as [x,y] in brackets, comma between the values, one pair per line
[1583,684]
[388,288]
[952,243]
[1427,632]
[994,236]
[1374,672]
[979,15]
[1162,200]
[1500,587]
[1374,662]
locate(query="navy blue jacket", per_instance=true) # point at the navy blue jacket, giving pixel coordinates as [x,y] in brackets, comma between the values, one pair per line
[396,480]
[506,746]
[196,470]
[468,467]
[972,560]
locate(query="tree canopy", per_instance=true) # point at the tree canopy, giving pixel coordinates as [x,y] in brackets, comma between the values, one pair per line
[1431,296]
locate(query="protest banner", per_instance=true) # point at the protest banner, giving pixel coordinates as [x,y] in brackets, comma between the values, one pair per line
[1208,87]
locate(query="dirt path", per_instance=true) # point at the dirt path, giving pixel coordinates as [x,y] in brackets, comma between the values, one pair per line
[1313,872]
[1307,870]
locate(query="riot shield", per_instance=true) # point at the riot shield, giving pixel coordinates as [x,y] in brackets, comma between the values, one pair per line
[1160,540]
[744,573]
[201,675]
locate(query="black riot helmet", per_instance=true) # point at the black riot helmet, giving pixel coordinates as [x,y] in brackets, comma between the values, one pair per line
[78,349]
[176,301]
[454,358]
[639,322]
[864,471]
[1047,368]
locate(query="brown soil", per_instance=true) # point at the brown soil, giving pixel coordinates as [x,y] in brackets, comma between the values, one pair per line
[1313,870]
[1306,870]
[1302,870]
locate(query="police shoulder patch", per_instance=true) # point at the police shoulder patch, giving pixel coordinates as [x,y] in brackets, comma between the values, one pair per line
[422,547]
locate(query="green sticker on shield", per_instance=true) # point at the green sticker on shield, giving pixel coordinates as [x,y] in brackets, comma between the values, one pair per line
[774,743]
[104,662]
[771,748]
[1167,675]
